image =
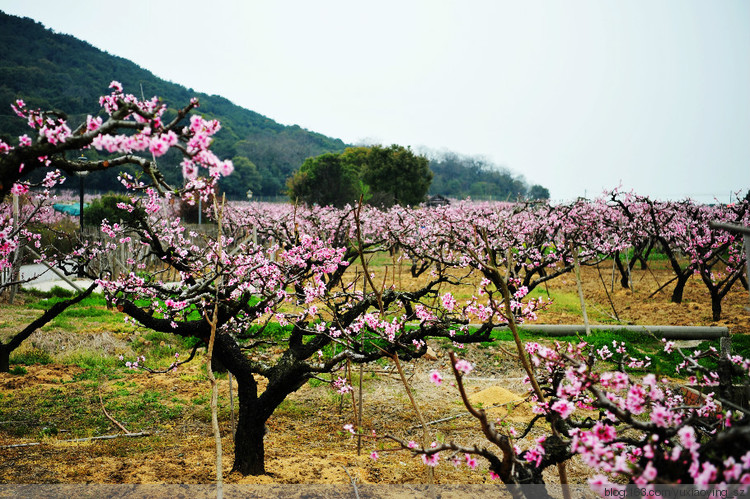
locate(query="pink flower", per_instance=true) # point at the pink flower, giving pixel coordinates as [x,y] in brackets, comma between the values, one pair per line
[649,473]
[374,456]
[563,407]
[431,459]
[600,483]
[471,462]
[463,366]
[93,124]
[435,377]
[449,302]
[116,86]
[19,189]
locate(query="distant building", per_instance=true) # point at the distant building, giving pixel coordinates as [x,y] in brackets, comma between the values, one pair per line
[437,200]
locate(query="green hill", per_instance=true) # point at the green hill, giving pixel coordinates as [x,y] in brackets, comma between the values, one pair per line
[55,71]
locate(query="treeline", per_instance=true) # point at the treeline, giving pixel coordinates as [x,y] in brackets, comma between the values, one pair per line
[458,176]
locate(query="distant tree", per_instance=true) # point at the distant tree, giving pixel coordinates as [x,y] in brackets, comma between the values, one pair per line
[245,177]
[537,192]
[395,175]
[388,176]
[106,208]
[325,180]
[459,176]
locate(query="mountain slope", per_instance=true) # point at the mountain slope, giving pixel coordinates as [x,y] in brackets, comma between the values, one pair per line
[55,71]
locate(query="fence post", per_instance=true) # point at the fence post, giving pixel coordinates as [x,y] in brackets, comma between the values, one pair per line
[745,231]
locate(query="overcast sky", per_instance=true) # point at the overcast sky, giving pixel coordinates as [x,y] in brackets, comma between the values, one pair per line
[579,96]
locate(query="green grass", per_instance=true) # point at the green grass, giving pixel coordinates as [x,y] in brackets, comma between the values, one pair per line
[31,357]
[639,345]
[567,302]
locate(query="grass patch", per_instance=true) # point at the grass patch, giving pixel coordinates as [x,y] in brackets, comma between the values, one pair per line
[640,346]
[95,365]
[292,408]
[568,303]
[31,357]
[18,370]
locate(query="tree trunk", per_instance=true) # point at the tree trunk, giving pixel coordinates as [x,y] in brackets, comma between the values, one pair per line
[679,288]
[716,306]
[249,451]
[4,358]
[624,281]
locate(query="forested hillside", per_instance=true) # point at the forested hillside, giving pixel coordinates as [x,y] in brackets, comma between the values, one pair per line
[54,71]
[59,72]
[460,177]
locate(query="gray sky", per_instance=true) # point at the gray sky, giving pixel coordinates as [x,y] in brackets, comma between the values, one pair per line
[579,96]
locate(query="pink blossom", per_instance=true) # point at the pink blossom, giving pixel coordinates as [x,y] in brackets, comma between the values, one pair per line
[93,124]
[436,377]
[374,456]
[116,86]
[431,459]
[19,189]
[471,462]
[463,366]
[563,407]
[449,302]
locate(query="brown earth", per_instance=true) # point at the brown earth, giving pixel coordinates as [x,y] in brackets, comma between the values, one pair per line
[305,441]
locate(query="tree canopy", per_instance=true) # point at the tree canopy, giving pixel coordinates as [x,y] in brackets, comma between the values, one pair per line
[384,175]
[325,180]
[459,176]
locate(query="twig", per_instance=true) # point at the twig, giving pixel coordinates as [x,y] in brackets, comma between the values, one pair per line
[577,268]
[354,482]
[231,401]
[456,416]
[422,423]
[662,287]
[609,298]
[507,352]
[101,402]
[87,439]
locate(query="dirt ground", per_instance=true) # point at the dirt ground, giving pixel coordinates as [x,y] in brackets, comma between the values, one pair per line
[305,442]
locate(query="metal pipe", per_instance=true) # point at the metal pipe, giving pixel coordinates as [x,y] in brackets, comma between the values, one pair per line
[666,332]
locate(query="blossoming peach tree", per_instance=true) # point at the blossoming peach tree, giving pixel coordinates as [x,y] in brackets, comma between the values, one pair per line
[627,427]
[125,127]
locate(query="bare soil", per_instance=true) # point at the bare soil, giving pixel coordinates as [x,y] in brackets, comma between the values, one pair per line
[306,442]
